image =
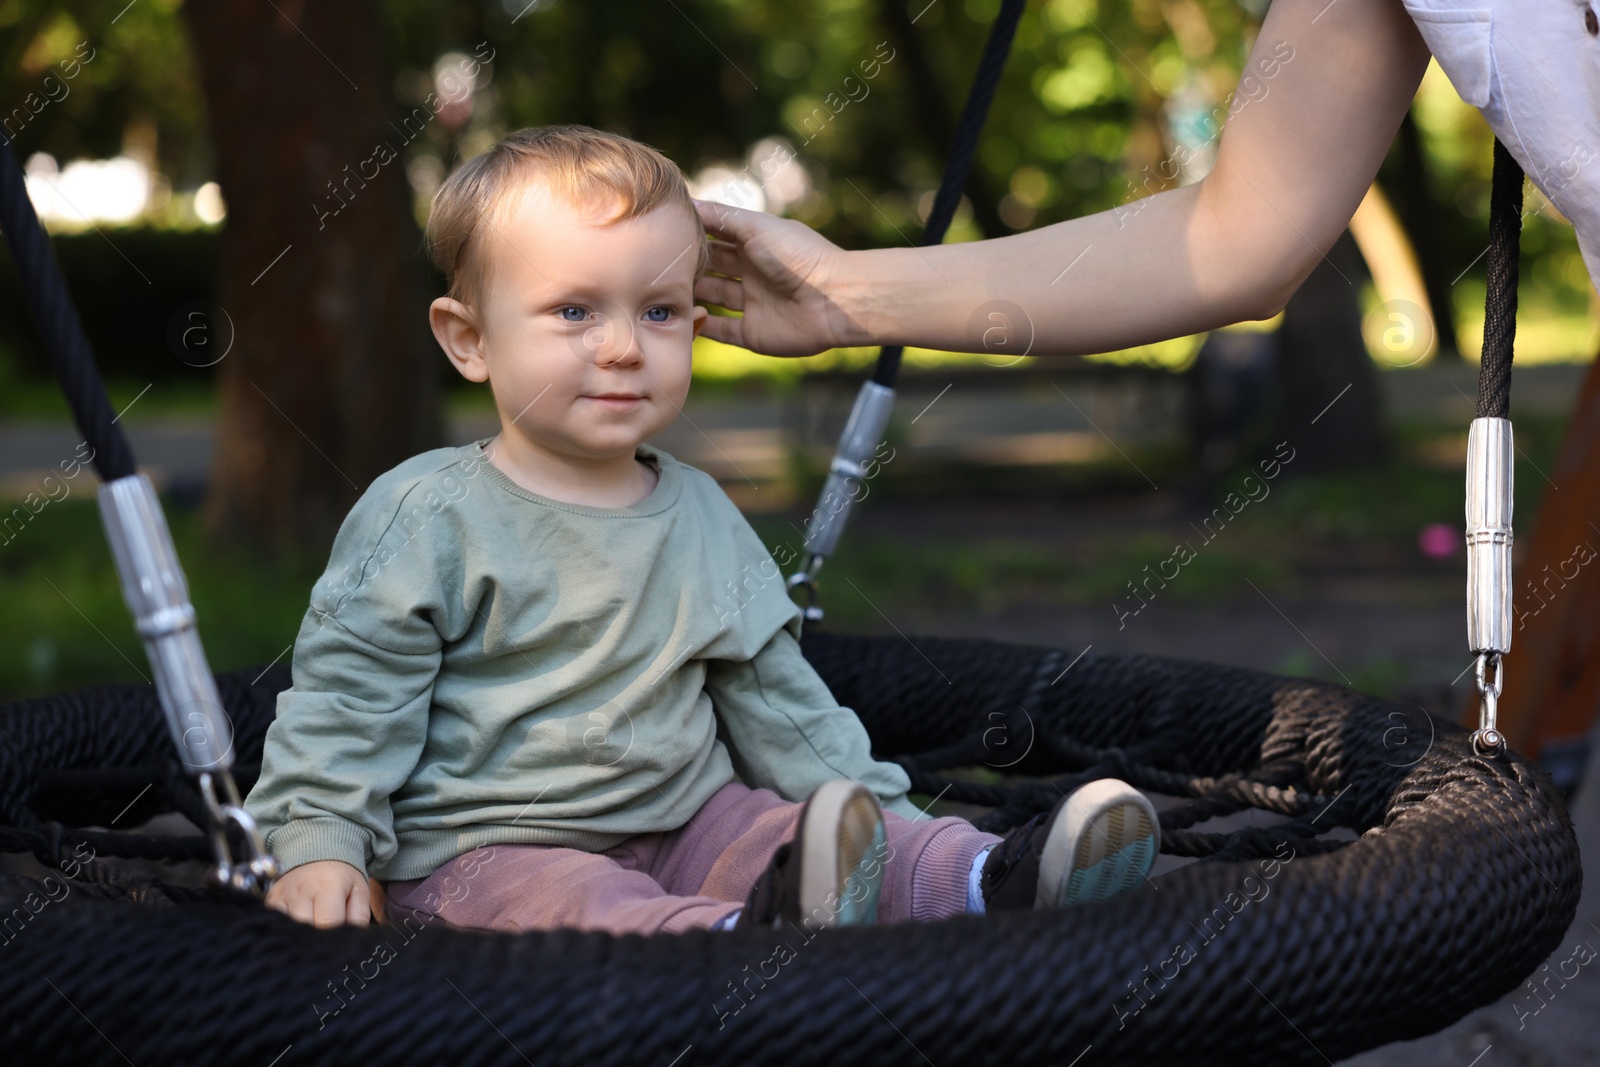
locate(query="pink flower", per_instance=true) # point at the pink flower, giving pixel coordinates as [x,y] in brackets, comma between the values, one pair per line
[1439,541]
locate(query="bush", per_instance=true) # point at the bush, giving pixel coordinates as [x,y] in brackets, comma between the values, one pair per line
[128,284]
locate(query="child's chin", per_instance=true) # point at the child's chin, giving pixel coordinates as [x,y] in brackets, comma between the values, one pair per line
[614,447]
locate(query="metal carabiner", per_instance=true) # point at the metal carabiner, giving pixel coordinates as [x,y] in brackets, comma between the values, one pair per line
[806,578]
[1487,739]
[260,869]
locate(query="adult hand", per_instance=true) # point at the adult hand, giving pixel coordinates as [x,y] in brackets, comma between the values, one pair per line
[777,272]
[323,893]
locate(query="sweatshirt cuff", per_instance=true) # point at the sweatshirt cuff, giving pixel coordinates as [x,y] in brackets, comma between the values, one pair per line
[307,840]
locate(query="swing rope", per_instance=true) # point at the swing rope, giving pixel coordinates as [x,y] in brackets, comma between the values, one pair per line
[863,431]
[974,115]
[57,319]
[153,583]
[1351,914]
[1500,306]
[1491,468]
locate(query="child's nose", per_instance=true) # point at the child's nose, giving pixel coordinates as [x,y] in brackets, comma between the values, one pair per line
[619,344]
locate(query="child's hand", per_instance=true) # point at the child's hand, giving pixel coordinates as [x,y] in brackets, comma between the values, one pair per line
[323,893]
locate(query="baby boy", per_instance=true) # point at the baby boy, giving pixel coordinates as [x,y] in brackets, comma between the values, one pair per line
[518,701]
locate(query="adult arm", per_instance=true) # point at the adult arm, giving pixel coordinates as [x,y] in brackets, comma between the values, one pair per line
[1291,168]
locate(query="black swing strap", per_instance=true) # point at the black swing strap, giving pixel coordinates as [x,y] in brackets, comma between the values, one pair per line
[857,453]
[1490,456]
[152,578]
[57,318]
[1500,303]
[968,129]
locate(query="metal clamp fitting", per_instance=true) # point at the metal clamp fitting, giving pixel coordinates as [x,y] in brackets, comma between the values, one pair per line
[1487,740]
[158,596]
[857,443]
[1490,471]
[1489,486]
[857,446]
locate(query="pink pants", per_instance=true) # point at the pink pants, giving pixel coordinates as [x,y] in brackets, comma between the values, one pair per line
[681,879]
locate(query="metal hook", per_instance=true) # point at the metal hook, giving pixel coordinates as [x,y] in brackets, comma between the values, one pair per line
[1487,740]
[261,868]
[806,578]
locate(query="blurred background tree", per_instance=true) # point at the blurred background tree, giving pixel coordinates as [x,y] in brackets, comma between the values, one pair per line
[332,375]
[240,120]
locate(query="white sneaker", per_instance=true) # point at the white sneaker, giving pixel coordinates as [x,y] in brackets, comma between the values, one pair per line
[832,871]
[1104,843]
[1099,841]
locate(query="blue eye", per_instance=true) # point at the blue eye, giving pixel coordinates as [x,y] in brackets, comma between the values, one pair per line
[664,314]
[579,313]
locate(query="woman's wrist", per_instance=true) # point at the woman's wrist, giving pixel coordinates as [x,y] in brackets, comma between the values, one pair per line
[847,301]
[868,295]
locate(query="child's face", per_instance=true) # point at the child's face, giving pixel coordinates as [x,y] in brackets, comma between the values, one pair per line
[575,309]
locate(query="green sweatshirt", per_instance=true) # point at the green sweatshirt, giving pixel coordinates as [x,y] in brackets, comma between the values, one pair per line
[481,664]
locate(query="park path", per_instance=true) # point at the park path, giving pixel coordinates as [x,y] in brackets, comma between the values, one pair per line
[743,441]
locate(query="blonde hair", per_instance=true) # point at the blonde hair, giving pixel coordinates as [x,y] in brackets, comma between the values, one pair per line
[586,167]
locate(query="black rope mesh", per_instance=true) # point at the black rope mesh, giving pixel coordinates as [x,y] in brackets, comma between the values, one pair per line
[1463,878]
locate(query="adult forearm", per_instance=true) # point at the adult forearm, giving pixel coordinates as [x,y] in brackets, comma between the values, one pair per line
[1091,284]
[1323,93]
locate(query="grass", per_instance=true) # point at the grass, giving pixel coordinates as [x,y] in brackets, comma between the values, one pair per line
[40,399]
[905,578]
[67,625]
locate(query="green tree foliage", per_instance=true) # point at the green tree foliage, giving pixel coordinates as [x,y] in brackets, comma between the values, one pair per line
[140,89]
[705,79]
[1094,98]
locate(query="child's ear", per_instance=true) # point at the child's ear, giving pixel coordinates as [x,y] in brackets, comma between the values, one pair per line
[700,316]
[456,329]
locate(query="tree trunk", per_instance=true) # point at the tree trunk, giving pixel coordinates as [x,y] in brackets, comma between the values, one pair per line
[1420,215]
[332,377]
[1331,411]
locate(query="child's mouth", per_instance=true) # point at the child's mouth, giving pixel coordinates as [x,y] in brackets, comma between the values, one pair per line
[618,402]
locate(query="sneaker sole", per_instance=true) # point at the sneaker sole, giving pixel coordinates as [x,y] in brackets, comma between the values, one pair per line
[843,853]
[1103,844]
